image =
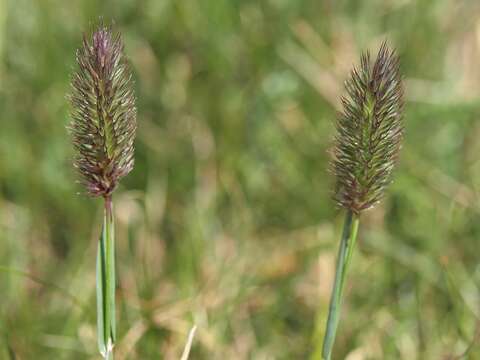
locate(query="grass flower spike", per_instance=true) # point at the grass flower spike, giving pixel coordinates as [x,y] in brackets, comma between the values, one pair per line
[104,115]
[369,132]
[103,129]
[369,136]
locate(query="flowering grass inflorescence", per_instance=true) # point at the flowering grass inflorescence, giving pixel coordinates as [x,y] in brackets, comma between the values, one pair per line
[103,113]
[368,140]
[103,130]
[369,131]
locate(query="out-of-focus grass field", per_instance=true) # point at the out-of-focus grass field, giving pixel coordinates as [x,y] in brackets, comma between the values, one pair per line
[226,221]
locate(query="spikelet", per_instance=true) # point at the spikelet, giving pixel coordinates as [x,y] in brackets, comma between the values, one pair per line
[103,115]
[369,131]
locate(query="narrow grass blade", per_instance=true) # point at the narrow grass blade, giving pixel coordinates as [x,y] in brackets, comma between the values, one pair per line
[106,285]
[347,244]
[100,283]
[188,346]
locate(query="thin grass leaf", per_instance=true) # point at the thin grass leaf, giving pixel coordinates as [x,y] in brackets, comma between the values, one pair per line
[101,295]
[188,345]
[106,333]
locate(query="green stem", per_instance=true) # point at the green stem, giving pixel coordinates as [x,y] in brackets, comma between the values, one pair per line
[344,255]
[106,284]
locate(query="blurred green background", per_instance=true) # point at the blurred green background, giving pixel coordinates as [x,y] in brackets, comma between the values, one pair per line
[226,221]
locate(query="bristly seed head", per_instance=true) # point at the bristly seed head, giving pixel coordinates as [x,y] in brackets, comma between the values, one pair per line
[103,115]
[369,131]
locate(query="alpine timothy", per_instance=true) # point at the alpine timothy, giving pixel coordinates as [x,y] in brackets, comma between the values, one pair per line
[103,126]
[367,143]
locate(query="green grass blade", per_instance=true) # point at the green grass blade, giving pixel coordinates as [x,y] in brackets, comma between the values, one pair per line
[111,273]
[106,286]
[101,286]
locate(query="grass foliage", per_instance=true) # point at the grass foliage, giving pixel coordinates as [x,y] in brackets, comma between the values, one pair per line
[226,221]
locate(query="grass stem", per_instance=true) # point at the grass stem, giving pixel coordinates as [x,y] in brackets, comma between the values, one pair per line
[347,244]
